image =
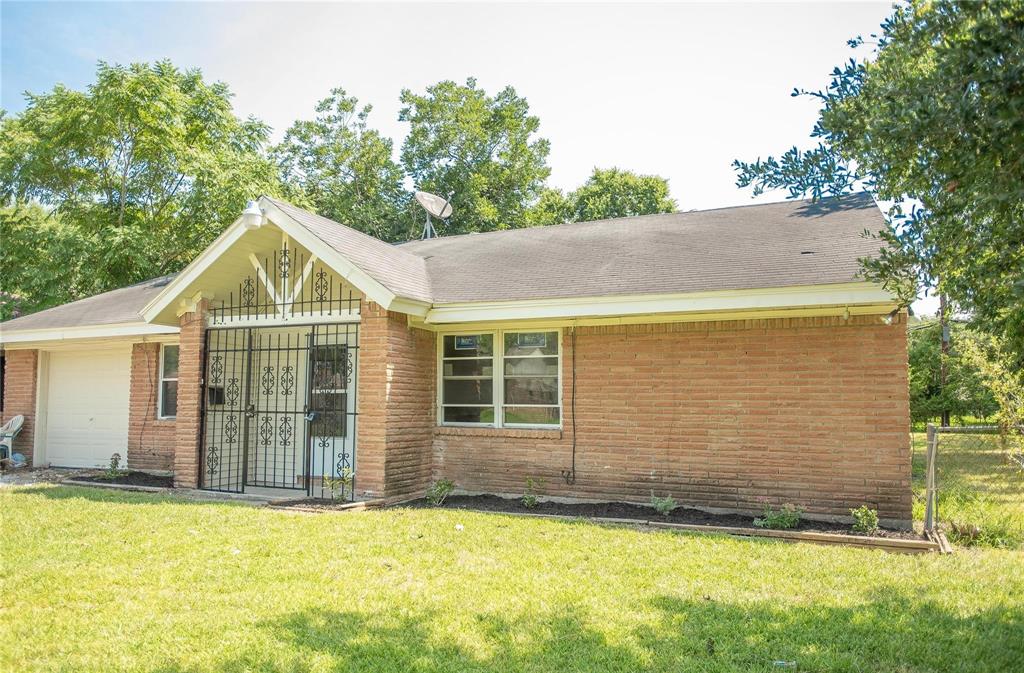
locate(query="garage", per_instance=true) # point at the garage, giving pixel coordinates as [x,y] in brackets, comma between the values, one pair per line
[86,406]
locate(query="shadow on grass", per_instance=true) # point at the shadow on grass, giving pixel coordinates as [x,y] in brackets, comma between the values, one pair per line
[891,632]
[110,495]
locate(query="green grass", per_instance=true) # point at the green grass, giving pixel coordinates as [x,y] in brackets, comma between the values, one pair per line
[979,488]
[97,580]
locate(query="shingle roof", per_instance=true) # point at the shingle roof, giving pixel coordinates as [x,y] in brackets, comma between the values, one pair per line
[400,271]
[122,305]
[758,246]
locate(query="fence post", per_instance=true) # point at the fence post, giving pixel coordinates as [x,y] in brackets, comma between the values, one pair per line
[930,500]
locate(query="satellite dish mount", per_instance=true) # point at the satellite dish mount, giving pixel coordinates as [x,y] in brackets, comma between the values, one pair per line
[438,206]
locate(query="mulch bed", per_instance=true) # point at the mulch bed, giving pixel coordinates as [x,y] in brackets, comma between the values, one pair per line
[130,478]
[621,510]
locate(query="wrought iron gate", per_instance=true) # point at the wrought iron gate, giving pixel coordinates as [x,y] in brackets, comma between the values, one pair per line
[279,409]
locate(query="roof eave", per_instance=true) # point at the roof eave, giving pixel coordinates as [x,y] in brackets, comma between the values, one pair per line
[750,300]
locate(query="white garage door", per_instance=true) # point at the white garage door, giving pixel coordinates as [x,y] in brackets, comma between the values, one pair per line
[87,407]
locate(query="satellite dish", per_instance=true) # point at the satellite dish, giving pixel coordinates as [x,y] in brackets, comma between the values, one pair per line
[438,206]
[435,205]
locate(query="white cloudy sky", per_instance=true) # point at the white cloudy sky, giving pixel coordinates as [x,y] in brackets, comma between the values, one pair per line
[679,90]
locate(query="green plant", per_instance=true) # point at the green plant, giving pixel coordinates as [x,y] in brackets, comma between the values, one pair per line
[663,506]
[530,496]
[865,519]
[114,470]
[788,516]
[440,490]
[338,484]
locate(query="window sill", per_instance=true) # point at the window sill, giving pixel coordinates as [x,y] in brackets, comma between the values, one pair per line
[532,433]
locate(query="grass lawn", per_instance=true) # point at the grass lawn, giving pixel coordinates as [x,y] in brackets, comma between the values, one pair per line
[979,488]
[96,580]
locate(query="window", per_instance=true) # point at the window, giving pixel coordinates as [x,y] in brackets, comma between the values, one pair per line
[329,390]
[501,379]
[167,402]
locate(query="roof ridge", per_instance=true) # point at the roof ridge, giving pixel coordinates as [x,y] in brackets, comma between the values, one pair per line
[635,217]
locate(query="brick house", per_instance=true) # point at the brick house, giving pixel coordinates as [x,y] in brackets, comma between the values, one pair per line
[725,357]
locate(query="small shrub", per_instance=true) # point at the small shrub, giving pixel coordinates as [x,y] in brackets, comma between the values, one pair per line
[114,470]
[530,496]
[865,519]
[788,516]
[663,506]
[440,490]
[337,485]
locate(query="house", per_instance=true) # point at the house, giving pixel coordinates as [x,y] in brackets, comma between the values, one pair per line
[727,357]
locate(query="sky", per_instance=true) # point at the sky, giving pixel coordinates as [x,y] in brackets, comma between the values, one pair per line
[677,90]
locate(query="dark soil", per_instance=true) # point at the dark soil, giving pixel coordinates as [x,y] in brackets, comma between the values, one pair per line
[130,478]
[314,503]
[621,510]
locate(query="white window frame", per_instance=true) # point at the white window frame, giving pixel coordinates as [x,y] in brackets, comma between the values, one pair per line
[498,367]
[160,383]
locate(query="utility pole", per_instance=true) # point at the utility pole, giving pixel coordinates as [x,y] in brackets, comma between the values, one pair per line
[944,326]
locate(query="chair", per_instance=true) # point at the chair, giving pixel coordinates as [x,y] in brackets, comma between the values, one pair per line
[8,431]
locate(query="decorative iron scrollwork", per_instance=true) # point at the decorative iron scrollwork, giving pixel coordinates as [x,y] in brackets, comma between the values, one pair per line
[284,263]
[212,460]
[287,380]
[232,392]
[321,286]
[216,370]
[284,431]
[231,429]
[266,431]
[248,294]
[268,381]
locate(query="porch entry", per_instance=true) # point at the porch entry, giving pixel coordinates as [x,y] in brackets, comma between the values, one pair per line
[279,409]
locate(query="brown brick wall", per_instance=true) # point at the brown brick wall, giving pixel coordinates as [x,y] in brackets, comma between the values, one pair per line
[396,405]
[21,371]
[812,411]
[150,440]
[189,420]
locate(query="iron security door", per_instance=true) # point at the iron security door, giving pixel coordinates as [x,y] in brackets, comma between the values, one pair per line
[280,409]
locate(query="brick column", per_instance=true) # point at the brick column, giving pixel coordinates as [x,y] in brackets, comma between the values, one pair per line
[396,405]
[190,390]
[21,371]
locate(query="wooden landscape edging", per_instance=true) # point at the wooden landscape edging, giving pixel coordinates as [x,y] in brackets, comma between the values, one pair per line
[868,542]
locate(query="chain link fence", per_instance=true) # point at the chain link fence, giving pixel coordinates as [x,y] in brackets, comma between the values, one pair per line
[973,483]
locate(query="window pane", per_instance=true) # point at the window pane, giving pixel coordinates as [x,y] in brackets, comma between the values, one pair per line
[531,343]
[458,391]
[170,362]
[469,367]
[531,366]
[469,414]
[531,391]
[169,398]
[468,345]
[532,415]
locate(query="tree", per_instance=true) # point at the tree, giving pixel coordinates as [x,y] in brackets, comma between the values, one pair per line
[142,171]
[40,261]
[933,120]
[343,169]
[606,194]
[965,392]
[481,150]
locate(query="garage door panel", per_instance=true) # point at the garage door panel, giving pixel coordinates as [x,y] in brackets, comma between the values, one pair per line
[87,410]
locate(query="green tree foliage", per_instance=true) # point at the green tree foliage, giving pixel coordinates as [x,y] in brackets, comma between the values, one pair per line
[482,150]
[40,261]
[343,169]
[142,171]
[933,120]
[606,194]
[965,392]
